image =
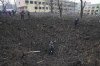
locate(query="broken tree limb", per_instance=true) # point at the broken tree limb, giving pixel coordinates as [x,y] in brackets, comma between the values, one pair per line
[26,53]
[32,52]
[40,61]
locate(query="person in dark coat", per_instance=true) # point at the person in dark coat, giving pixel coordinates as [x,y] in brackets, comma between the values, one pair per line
[13,12]
[51,48]
[76,22]
[0,12]
[9,13]
[22,13]
[28,13]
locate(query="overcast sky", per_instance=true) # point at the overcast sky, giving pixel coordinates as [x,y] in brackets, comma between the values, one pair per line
[12,1]
[92,1]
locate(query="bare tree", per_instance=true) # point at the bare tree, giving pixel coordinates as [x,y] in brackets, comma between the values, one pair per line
[83,4]
[4,4]
[60,8]
[51,4]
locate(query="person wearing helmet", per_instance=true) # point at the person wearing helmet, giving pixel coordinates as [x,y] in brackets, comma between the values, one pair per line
[28,14]
[76,22]
[51,48]
[22,14]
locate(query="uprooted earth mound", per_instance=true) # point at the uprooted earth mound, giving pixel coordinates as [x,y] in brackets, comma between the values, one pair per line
[18,38]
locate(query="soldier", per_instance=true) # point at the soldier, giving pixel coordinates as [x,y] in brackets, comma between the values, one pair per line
[76,22]
[28,13]
[22,15]
[9,13]
[51,48]
[13,12]
[0,12]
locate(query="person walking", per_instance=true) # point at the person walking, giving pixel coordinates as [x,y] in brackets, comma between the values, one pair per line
[76,22]
[51,48]
[9,13]
[28,14]
[13,12]
[22,13]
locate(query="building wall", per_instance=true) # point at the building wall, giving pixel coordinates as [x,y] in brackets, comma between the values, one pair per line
[34,5]
[93,9]
[31,6]
[67,6]
[20,3]
[43,7]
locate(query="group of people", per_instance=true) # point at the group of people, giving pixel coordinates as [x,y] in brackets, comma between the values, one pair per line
[13,12]
[8,12]
[22,14]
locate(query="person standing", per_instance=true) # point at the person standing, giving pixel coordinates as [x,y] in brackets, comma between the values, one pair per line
[51,48]
[76,22]
[28,14]
[13,12]
[9,13]
[22,13]
[0,12]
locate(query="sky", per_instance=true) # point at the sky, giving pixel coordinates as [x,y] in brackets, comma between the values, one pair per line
[92,1]
[12,1]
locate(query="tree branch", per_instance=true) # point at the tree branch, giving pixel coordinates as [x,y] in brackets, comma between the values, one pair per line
[2,1]
[4,4]
[84,4]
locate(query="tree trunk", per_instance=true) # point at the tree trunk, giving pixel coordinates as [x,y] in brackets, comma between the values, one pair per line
[82,8]
[60,8]
[4,4]
[51,3]
[81,12]
[3,7]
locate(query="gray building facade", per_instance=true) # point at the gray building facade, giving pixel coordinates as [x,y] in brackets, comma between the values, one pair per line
[68,7]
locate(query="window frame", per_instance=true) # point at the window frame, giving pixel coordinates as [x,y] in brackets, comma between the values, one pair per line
[27,2]
[40,8]
[35,2]
[39,2]
[36,7]
[31,2]
[43,7]
[47,8]
[43,3]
